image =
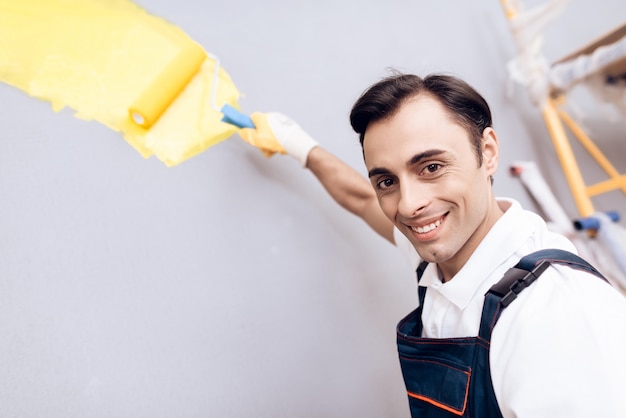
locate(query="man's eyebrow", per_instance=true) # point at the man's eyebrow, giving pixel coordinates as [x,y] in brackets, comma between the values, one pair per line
[423,155]
[376,171]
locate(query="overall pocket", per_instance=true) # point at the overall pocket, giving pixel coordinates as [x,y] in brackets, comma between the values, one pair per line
[436,387]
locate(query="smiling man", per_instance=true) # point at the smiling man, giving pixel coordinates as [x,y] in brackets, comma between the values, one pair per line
[553,349]
[430,183]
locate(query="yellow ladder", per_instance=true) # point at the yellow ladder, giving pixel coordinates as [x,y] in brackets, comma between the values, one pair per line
[556,119]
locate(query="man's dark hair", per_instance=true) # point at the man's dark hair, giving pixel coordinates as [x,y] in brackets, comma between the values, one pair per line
[464,104]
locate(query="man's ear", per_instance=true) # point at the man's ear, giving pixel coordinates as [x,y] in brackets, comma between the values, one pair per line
[491,151]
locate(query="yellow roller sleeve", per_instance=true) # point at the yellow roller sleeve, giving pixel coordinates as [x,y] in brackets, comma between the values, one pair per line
[167,85]
[113,62]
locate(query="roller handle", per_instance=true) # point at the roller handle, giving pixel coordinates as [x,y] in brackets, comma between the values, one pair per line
[592,223]
[235,117]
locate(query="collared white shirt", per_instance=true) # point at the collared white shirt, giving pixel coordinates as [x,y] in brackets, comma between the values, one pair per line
[559,349]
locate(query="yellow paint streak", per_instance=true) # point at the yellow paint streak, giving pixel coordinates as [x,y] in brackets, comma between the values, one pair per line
[99,57]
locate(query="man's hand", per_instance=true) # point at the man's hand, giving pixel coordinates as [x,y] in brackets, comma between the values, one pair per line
[276,133]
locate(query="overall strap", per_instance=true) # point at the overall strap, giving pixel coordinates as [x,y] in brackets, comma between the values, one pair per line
[522,275]
[530,267]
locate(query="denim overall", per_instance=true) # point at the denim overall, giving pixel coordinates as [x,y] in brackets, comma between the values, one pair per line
[450,377]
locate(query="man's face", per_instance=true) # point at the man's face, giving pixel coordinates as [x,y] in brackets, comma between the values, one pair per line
[425,172]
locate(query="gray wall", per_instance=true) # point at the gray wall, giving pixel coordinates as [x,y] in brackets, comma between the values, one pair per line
[232,285]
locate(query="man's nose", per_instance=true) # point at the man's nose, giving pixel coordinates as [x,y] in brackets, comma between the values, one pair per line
[414,198]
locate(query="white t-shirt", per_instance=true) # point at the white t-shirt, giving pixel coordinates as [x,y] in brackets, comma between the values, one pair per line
[559,350]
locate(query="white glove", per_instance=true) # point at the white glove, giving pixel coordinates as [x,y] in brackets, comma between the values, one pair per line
[275,132]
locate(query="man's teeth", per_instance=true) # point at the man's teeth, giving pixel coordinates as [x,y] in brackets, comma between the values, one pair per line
[426,228]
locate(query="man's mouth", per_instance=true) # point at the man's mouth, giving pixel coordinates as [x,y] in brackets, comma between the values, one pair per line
[427,228]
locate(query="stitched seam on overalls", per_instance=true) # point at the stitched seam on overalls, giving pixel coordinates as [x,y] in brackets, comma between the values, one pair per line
[441,405]
[496,316]
[444,341]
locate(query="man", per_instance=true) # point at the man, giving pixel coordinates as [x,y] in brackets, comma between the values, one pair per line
[431,152]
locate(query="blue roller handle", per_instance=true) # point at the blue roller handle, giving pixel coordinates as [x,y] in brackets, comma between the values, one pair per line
[594,223]
[235,117]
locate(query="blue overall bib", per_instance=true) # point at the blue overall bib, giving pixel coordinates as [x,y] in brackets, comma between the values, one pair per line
[450,377]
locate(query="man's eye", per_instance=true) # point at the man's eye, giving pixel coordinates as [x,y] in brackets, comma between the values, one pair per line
[384,184]
[431,168]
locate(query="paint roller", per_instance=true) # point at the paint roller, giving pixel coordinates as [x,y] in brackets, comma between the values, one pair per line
[593,223]
[169,83]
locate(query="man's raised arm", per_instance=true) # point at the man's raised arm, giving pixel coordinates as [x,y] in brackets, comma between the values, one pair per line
[276,133]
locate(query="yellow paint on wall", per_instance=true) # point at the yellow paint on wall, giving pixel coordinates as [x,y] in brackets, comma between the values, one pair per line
[101,57]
